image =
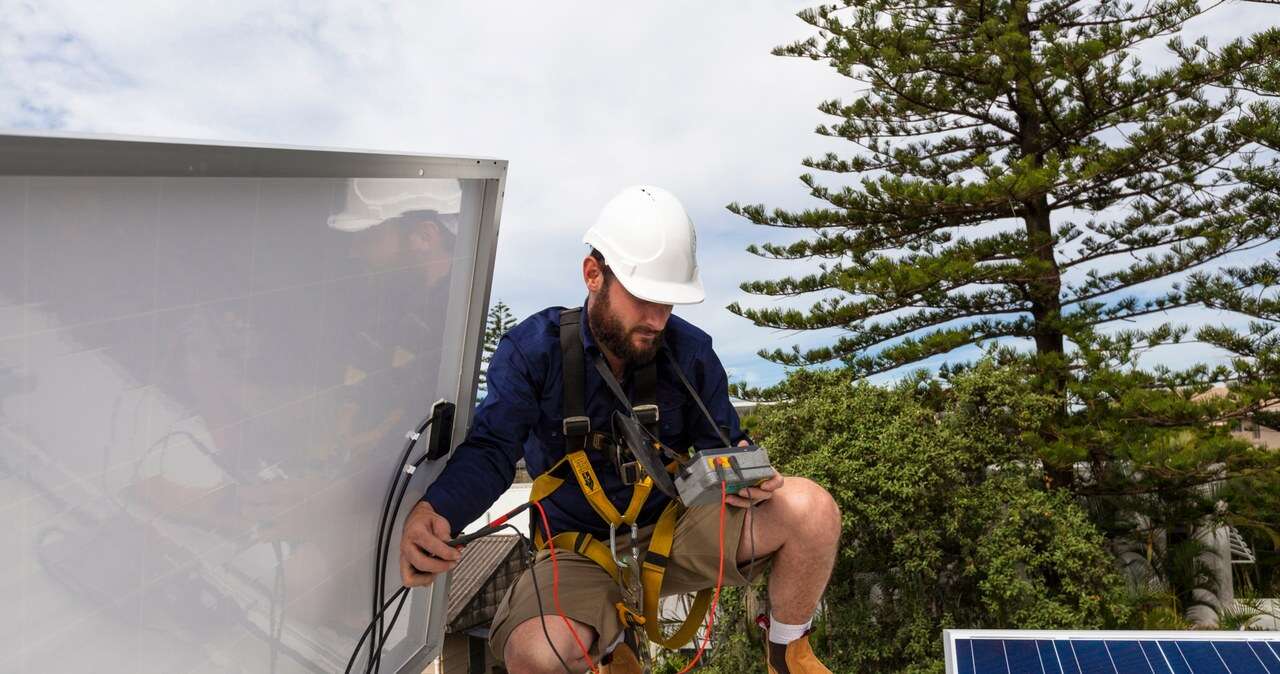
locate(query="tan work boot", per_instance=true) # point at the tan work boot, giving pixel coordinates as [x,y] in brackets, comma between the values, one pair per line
[622,660]
[793,658]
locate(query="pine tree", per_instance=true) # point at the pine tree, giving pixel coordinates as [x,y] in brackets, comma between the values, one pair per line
[1021,175]
[497,323]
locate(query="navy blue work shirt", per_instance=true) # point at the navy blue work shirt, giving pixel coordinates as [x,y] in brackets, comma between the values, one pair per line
[522,415]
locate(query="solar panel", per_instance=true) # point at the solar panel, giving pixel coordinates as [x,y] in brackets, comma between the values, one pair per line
[210,356]
[1119,652]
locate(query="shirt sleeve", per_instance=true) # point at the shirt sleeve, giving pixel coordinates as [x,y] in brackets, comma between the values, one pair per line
[712,384]
[483,466]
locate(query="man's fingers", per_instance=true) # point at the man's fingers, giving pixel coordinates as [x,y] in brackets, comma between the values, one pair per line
[743,443]
[411,577]
[440,534]
[440,527]
[428,535]
[424,551]
[747,496]
[432,545]
[424,562]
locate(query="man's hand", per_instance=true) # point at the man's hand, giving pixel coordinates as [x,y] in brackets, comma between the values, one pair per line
[764,492]
[424,552]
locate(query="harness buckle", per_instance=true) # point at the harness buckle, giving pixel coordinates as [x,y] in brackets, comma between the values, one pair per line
[628,616]
[646,414]
[631,472]
[577,425]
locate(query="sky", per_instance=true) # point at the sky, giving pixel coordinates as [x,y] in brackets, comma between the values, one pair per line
[582,99]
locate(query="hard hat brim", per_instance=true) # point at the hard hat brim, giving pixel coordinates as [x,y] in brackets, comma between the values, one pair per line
[664,292]
[351,225]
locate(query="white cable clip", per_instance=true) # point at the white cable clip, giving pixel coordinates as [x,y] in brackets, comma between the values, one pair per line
[409,468]
[412,436]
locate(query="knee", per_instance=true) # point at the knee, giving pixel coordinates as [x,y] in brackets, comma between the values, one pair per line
[527,650]
[813,507]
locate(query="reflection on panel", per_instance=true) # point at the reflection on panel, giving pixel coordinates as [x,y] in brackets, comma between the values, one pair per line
[204,383]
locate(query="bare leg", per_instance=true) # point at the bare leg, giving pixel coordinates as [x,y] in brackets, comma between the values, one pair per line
[527,652]
[801,525]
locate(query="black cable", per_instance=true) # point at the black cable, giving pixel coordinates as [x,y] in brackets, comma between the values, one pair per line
[751,504]
[392,625]
[403,593]
[372,623]
[380,544]
[751,528]
[532,567]
[405,477]
[381,548]
[751,534]
[697,398]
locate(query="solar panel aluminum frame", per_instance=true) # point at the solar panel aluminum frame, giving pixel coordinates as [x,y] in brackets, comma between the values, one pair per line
[951,636]
[28,153]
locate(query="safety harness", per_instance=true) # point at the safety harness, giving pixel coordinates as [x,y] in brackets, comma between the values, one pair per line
[579,437]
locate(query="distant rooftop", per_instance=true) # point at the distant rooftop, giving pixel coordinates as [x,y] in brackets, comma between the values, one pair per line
[488,567]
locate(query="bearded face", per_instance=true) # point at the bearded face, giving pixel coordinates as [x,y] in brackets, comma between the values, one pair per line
[635,344]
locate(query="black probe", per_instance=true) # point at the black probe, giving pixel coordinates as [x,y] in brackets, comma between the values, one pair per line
[492,527]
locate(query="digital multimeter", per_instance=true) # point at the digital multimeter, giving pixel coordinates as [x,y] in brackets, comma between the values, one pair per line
[698,482]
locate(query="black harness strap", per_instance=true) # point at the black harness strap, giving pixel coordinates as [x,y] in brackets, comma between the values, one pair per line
[720,430]
[573,355]
[577,426]
[646,408]
[576,422]
[612,382]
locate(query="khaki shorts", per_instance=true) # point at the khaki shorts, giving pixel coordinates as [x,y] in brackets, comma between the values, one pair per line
[589,595]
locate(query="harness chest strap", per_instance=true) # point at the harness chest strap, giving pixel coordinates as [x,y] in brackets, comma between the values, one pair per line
[577,426]
[655,562]
[652,571]
[579,464]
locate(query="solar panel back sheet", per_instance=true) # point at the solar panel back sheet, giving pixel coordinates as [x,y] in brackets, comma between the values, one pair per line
[1119,652]
[210,356]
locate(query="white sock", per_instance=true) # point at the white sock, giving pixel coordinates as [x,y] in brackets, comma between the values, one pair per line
[782,633]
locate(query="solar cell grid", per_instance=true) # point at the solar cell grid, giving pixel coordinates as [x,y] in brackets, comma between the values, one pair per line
[1045,652]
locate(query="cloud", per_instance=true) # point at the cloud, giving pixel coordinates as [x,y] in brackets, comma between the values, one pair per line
[582,98]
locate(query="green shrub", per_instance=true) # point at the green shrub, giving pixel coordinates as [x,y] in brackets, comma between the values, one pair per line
[945,523]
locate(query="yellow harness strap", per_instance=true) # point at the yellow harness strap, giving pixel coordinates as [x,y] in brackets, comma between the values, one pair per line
[590,485]
[652,571]
[584,544]
[654,566]
[546,483]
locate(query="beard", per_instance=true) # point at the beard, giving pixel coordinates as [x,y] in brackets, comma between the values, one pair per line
[614,336]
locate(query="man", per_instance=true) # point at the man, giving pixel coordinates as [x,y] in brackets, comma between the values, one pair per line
[643,261]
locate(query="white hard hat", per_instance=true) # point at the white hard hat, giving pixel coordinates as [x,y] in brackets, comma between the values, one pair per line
[370,201]
[648,241]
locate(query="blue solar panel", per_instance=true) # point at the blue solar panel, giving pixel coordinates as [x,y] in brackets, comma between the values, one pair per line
[1042,652]
[1067,660]
[1048,655]
[1269,657]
